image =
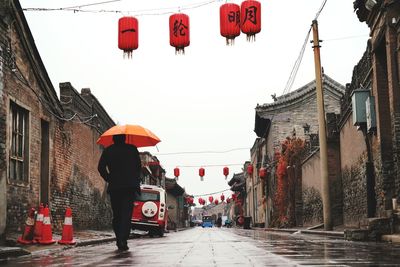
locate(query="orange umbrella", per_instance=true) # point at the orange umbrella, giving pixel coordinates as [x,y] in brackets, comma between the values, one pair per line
[135,135]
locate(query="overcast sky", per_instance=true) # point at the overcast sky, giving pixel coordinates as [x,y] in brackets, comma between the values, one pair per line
[204,100]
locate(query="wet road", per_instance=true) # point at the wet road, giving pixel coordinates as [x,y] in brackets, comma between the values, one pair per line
[224,247]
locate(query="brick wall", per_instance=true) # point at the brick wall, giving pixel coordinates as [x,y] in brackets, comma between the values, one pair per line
[75,181]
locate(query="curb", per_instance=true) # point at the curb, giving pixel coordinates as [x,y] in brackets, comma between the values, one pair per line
[337,234]
[12,252]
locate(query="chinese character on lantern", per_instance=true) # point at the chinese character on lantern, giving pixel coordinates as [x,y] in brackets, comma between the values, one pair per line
[128,36]
[250,18]
[229,17]
[179,34]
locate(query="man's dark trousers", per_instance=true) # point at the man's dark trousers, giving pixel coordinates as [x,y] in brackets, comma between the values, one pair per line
[122,206]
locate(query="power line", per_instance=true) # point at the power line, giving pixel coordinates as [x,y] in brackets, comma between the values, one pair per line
[145,12]
[93,4]
[211,165]
[209,194]
[202,152]
[297,63]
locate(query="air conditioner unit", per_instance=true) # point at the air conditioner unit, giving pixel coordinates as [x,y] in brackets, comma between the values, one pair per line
[358,99]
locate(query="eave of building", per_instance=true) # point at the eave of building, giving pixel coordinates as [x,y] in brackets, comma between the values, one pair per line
[286,101]
[173,187]
[34,58]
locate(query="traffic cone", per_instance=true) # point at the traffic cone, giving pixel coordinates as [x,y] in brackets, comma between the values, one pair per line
[67,233]
[47,235]
[37,232]
[27,235]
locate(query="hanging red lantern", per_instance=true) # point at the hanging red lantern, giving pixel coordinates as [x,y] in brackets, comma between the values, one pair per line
[250,18]
[234,197]
[179,36]
[210,198]
[226,172]
[222,197]
[128,35]
[200,201]
[250,169]
[228,200]
[229,21]
[201,173]
[176,172]
[216,202]
[262,172]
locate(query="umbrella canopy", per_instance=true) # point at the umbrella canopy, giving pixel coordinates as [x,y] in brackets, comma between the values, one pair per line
[135,135]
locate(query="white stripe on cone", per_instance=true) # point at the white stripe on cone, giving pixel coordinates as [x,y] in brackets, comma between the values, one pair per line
[68,221]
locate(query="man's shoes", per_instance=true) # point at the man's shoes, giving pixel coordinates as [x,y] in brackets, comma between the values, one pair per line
[122,246]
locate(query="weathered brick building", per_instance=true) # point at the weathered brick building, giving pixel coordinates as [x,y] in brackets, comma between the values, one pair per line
[293,114]
[370,169]
[177,212]
[48,150]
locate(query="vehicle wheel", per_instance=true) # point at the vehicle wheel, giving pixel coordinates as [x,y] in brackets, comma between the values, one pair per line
[151,233]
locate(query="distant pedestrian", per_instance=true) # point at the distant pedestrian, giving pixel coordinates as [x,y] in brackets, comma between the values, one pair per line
[120,167]
[219,222]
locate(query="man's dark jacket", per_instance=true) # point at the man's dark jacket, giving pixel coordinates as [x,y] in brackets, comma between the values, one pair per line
[123,164]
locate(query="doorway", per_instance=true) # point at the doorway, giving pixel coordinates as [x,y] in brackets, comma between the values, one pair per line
[44,163]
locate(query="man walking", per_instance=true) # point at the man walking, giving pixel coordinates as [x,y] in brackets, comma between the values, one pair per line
[120,167]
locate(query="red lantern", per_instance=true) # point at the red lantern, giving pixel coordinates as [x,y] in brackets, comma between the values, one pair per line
[262,172]
[201,173]
[200,201]
[216,202]
[222,197]
[128,37]
[250,169]
[234,197]
[226,172]
[250,18]
[179,36]
[210,198]
[176,172]
[229,21]
[228,200]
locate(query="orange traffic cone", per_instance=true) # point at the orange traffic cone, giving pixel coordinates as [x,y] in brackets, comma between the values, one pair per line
[47,235]
[27,235]
[67,233]
[37,232]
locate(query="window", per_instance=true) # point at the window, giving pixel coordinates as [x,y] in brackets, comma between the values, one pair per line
[18,169]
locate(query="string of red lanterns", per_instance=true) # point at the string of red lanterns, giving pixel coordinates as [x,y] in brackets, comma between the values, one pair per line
[262,172]
[234,19]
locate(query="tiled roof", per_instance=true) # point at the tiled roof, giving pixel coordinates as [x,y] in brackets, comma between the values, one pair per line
[303,92]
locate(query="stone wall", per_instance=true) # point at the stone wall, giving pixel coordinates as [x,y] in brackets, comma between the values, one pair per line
[311,187]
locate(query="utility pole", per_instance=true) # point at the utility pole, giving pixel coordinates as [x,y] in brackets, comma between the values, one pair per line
[323,152]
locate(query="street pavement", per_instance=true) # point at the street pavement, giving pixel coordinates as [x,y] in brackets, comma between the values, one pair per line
[222,247]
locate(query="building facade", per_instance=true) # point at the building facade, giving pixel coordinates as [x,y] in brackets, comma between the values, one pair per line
[292,116]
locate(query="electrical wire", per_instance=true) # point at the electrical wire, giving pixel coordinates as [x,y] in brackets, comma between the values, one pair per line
[202,152]
[145,12]
[297,63]
[93,4]
[211,165]
[209,194]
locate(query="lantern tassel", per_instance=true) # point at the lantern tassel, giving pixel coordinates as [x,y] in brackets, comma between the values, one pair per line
[251,38]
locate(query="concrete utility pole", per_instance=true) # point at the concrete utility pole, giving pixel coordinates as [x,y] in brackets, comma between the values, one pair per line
[323,152]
